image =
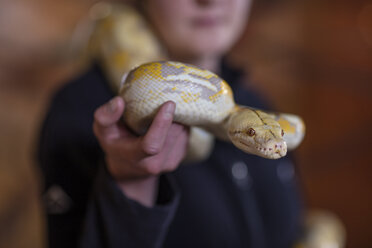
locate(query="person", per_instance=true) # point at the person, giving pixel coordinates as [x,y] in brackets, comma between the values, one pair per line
[107,187]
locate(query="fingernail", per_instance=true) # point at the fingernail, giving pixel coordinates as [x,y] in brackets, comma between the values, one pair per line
[111,106]
[169,110]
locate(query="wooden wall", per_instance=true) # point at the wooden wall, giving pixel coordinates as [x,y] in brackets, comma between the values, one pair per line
[33,36]
[314,58]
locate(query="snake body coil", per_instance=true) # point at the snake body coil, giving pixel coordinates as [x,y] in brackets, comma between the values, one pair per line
[205,100]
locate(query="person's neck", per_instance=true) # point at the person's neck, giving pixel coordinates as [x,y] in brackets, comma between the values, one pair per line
[211,63]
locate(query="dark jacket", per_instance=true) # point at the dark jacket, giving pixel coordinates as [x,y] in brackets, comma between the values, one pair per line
[231,200]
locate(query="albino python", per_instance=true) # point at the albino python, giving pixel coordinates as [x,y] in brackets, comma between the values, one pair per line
[206,101]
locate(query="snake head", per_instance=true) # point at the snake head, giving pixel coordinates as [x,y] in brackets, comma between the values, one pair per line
[257,132]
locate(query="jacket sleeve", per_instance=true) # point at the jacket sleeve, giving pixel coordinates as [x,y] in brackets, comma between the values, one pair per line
[113,220]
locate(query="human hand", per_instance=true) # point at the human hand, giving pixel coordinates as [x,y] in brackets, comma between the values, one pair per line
[136,161]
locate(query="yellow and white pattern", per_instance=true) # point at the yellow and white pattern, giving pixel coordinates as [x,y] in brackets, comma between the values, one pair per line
[121,40]
[206,101]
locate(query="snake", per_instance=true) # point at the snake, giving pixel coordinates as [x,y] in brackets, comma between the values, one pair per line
[205,101]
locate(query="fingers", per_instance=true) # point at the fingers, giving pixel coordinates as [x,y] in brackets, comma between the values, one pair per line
[106,119]
[161,149]
[153,141]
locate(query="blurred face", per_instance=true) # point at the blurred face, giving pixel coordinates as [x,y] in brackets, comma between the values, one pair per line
[194,28]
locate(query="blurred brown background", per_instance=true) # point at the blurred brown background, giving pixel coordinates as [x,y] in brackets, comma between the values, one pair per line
[312,58]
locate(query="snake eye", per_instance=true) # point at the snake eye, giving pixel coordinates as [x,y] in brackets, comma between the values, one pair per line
[251,132]
[282,132]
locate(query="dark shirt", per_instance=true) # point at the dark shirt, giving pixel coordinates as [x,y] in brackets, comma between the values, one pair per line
[230,200]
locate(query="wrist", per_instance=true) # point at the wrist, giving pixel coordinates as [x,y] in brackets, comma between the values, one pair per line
[144,190]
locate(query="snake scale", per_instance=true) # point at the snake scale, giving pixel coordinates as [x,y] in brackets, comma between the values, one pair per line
[204,100]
